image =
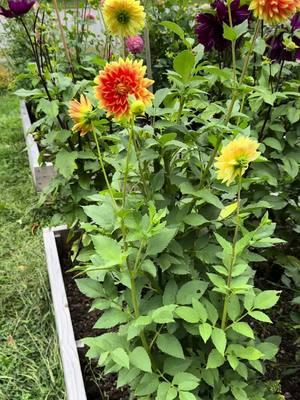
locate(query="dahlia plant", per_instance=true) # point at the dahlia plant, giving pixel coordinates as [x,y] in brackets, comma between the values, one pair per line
[172,239]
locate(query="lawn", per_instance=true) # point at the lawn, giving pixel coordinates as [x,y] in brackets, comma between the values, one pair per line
[29,361]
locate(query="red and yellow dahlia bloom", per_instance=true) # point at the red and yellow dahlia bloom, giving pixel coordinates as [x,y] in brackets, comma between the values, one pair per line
[235,158]
[124,17]
[81,114]
[274,11]
[119,81]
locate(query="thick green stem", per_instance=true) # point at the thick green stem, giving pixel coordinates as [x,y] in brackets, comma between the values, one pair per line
[126,173]
[141,169]
[231,105]
[233,255]
[100,158]
[233,42]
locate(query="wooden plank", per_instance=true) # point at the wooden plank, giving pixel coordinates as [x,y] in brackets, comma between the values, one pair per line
[68,351]
[41,174]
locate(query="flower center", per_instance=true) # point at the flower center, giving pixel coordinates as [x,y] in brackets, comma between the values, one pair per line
[241,163]
[123,17]
[121,88]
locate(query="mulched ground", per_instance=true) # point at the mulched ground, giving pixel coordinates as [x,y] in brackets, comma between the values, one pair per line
[98,386]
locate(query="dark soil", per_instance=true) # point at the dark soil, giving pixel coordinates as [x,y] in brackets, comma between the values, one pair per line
[98,386]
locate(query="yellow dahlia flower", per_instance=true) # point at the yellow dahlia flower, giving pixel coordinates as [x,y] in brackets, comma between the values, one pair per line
[235,158]
[274,11]
[124,17]
[81,114]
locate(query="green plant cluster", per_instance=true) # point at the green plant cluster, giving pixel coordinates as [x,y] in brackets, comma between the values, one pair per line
[169,252]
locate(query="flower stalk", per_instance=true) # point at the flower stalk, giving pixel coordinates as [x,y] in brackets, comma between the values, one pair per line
[233,254]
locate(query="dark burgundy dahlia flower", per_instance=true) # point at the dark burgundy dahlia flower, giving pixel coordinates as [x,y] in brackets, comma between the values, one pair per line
[16,8]
[209,26]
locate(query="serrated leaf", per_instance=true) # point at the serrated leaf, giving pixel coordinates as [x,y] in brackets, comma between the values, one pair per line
[215,359]
[219,339]
[111,318]
[120,357]
[169,344]
[266,299]
[160,241]
[185,381]
[205,331]
[140,359]
[65,162]
[191,290]
[226,211]
[89,287]
[188,314]
[243,328]
[259,316]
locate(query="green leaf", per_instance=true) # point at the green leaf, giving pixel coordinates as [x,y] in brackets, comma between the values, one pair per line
[108,249]
[159,97]
[229,33]
[226,246]
[226,211]
[273,143]
[188,314]
[194,219]
[191,290]
[120,357]
[65,162]
[200,310]
[140,359]
[169,344]
[215,359]
[174,28]
[147,385]
[164,315]
[166,392]
[89,287]
[239,393]
[266,299]
[260,316]
[243,328]
[210,198]
[185,381]
[169,296]
[103,215]
[183,64]
[111,318]
[205,331]
[160,241]
[233,361]
[218,337]
[234,308]
[234,33]
[186,396]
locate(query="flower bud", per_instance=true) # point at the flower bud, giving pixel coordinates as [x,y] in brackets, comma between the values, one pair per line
[137,107]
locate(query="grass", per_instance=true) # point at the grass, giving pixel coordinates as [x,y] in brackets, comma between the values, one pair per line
[29,362]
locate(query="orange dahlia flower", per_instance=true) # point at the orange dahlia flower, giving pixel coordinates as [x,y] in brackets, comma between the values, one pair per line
[117,82]
[274,11]
[81,114]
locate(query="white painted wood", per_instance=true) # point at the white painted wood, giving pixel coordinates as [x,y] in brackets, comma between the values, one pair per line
[41,174]
[68,351]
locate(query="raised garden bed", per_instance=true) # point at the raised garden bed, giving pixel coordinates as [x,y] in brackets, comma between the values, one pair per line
[83,380]
[41,174]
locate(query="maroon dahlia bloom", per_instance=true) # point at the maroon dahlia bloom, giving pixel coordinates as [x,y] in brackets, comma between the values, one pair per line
[209,27]
[277,51]
[16,8]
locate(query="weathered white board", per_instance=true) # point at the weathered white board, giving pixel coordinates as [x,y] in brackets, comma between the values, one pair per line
[68,350]
[41,174]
